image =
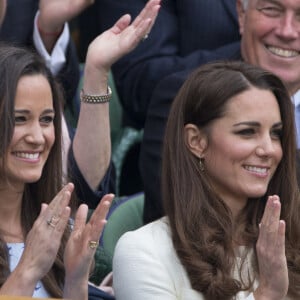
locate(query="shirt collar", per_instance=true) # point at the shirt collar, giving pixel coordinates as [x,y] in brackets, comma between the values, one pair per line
[296,98]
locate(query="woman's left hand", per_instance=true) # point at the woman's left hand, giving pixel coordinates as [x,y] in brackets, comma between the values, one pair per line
[81,248]
[270,248]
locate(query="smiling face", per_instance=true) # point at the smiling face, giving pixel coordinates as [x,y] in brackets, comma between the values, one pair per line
[270,32]
[34,133]
[243,147]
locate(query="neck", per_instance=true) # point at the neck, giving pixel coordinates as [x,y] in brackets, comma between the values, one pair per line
[10,213]
[292,89]
[235,205]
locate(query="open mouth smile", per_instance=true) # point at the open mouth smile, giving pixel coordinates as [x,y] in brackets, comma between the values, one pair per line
[257,170]
[282,52]
[26,155]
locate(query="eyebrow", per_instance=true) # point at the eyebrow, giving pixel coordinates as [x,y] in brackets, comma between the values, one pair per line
[256,124]
[26,111]
[276,2]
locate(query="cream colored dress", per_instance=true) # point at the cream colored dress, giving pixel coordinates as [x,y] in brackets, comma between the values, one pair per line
[146,267]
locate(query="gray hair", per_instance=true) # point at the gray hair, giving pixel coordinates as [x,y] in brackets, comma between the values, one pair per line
[245,4]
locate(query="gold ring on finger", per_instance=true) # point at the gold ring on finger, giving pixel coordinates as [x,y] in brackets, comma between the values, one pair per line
[53,221]
[93,244]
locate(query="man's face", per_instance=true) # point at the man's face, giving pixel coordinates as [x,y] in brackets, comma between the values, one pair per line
[270,32]
[2,10]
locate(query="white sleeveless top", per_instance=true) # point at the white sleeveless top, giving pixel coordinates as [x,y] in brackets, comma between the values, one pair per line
[15,251]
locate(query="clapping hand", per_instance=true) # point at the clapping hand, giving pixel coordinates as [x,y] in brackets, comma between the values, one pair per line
[270,247]
[41,245]
[81,248]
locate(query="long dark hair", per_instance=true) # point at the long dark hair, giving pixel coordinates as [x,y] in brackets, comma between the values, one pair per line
[202,225]
[14,63]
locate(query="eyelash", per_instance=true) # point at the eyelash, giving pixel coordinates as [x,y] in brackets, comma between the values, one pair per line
[249,131]
[277,133]
[43,120]
[20,119]
[270,9]
[47,119]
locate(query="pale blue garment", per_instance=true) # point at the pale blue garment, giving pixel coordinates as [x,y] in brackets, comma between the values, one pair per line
[296,101]
[15,252]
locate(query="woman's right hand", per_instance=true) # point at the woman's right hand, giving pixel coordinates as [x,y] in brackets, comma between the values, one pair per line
[270,247]
[43,240]
[117,41]
[122,37]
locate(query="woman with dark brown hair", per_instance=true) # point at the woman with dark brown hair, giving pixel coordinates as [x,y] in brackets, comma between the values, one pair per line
[33,227]
[47,250]
[230,194]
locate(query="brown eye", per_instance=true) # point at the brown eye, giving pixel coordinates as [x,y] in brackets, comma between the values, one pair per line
[246,132]
[20,119]
[47,119]
[276,133]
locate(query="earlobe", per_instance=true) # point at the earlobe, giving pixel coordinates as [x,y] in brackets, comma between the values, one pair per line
[241,15]
[195,139]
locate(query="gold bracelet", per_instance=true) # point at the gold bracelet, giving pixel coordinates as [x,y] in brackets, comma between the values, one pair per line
[96,98]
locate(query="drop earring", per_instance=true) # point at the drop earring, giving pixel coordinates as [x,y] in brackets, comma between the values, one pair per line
[201,164]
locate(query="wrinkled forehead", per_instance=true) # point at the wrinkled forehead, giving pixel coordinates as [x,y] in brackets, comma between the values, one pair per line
[292,3]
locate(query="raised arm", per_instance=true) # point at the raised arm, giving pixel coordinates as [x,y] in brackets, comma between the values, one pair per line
[92,145]
[183,31]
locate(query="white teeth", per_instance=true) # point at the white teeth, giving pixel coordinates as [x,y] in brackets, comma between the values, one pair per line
[27,155]
[256,169]
[283,52]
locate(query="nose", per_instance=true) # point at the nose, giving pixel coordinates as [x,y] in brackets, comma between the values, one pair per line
[267,147]
[288,28]
[35,134]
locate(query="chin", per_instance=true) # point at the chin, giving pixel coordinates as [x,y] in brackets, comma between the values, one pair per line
[32,178]
[290,78]
[32,181]
[257,194]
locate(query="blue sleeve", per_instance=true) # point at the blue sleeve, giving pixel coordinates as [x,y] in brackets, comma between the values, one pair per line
[83,190]
[97,294]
